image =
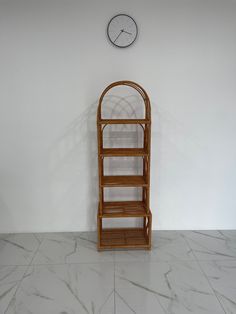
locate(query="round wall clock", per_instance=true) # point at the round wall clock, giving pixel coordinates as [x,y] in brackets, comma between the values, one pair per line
[122,30]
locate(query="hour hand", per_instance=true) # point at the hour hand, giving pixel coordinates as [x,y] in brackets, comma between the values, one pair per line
[127,32]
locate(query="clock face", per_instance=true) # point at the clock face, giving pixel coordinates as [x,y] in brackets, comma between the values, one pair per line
[122,30]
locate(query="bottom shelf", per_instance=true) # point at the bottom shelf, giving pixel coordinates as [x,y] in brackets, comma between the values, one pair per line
[130,238]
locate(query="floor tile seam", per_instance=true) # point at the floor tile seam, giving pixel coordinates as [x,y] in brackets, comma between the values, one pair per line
[36,251]
[213,259]
[14,265]
[33,254]
[30,264]
[197,261]
[20,281]
[205,275]
[17,288]
[158,300]
[122,261]
[217,260]
[75,263]
[189,246]
[156,262]
[160,303]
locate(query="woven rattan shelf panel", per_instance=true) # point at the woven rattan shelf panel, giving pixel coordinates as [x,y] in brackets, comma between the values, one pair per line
[124,238]
[128,238]
[124,209]
[126,181]
[119,152]
[124,121]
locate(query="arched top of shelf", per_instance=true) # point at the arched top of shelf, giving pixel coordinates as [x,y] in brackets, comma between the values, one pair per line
[144,96]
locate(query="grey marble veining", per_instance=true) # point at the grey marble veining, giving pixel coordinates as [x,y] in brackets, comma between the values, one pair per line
[222,276]
[212,245]
[71,248]
[164,287]
[18,249]
[62,273]
[166,246]
[75,288]
[87,249]
[10,277]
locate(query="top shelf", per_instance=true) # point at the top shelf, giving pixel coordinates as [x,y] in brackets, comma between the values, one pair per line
[124,121]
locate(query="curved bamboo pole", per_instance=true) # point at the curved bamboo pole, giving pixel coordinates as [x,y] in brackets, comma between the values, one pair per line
[132,84]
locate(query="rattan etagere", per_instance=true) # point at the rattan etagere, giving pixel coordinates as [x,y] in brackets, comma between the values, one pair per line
[138,237]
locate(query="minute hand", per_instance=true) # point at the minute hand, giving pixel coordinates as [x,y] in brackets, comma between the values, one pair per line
[118,36]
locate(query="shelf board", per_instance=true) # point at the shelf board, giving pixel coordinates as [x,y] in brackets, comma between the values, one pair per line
[116,152]
[125,181]
[124,209]
[124,121]
[124,238]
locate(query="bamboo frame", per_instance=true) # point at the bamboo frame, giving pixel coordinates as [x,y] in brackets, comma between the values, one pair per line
[131,238]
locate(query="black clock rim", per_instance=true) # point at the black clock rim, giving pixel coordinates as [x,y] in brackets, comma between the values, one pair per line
[122,14]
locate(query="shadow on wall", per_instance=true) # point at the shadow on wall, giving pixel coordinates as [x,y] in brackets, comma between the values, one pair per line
[73,171]
[6,215]
[122,136]
[73,163]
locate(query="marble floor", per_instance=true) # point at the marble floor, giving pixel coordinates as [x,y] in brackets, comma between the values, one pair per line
[62,273]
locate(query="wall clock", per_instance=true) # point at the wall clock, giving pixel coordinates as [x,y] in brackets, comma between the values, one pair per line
[122,30]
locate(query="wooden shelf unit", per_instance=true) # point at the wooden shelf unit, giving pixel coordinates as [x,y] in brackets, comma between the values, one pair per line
[127,238]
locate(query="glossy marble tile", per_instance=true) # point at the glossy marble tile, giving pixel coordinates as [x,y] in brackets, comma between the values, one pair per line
[70,248]
[222,276]
[54,248]
[17,249]
[166,246]
[68,276]
[71,289]
[211,245]
[86,250]
[129,303]
[39,236]
[10,277]
[230,234]
[177,287]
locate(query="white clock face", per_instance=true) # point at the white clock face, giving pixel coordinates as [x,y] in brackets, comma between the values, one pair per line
[122,30]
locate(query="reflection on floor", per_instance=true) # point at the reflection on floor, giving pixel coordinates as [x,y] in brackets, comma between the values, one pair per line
[62,273]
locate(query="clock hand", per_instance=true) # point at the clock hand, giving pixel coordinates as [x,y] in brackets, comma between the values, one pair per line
[127,32]
[118,35]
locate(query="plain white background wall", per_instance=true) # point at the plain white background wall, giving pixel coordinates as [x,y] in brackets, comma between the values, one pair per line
[55,60]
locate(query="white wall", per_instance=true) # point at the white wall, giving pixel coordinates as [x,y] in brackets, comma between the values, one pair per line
[54,62]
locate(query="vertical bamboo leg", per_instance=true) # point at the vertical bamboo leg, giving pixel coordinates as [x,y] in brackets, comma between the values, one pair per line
[144,224]
[150,232]
[98,231]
